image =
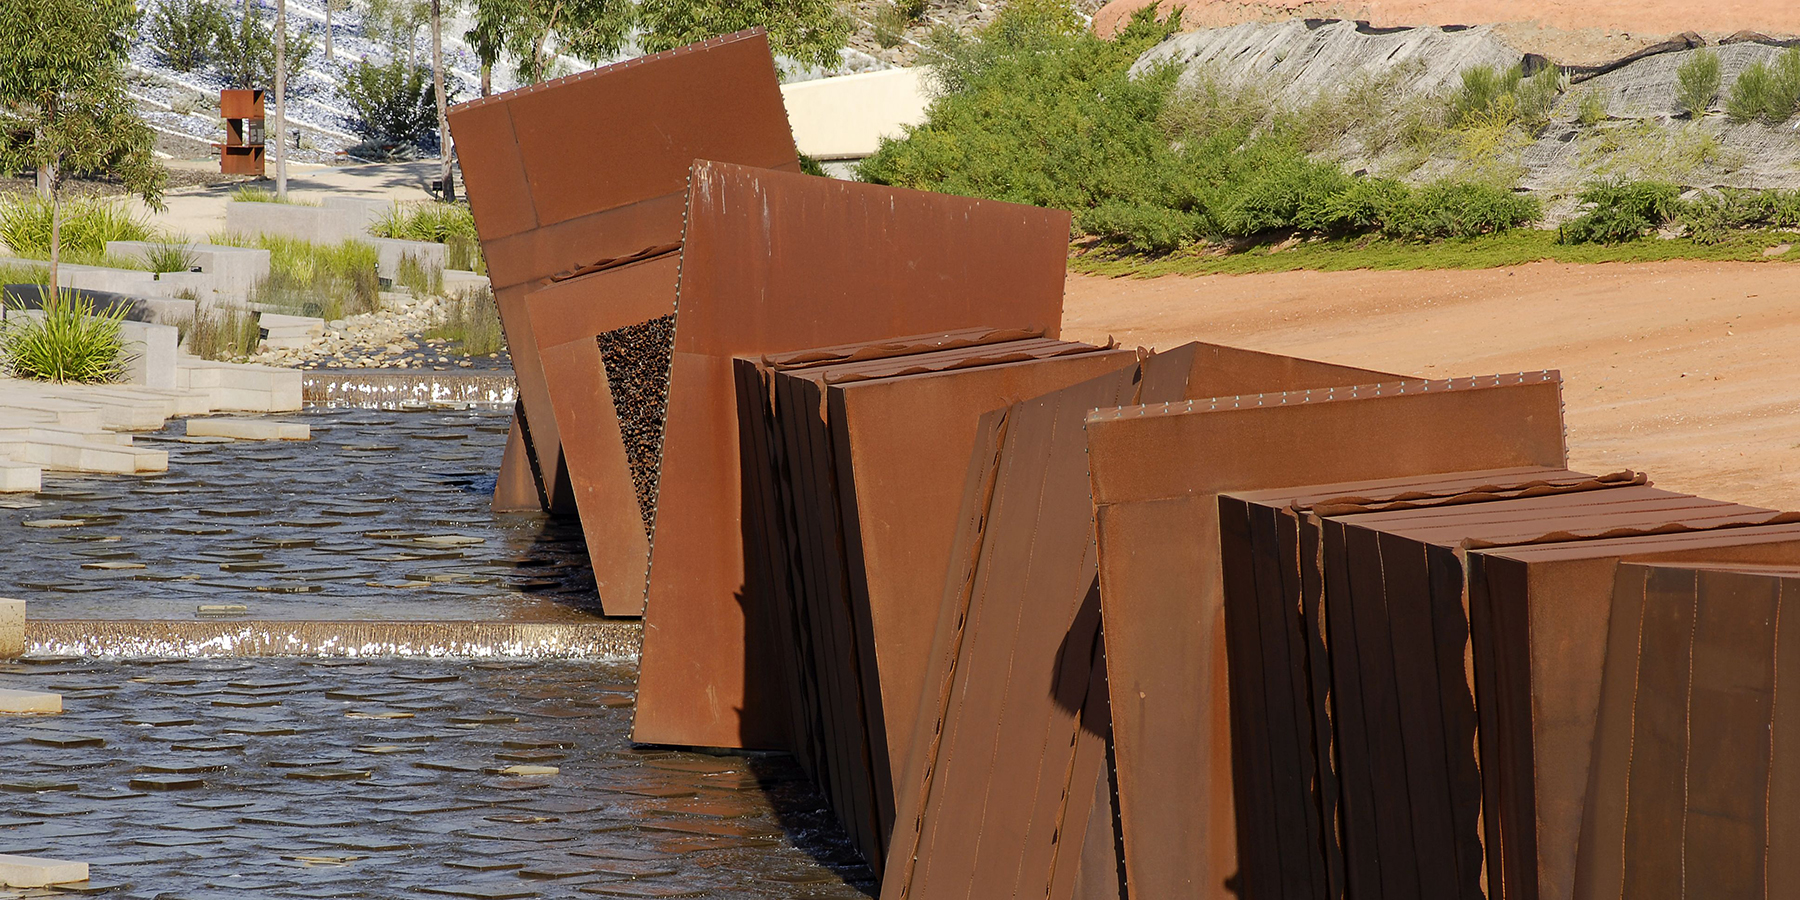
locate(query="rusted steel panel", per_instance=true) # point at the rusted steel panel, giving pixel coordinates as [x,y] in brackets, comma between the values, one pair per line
[773,263]
[563,174]
[565,318]
[867,513]
[1008,743]
[1157,473]
[1555,733]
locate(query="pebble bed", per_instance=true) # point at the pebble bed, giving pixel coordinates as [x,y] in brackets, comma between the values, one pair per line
[201,779]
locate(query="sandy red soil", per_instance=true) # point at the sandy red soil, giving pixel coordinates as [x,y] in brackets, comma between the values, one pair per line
[1688,371]
[1657,18]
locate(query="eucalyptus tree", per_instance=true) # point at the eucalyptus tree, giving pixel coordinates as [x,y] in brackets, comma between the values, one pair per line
[63,102]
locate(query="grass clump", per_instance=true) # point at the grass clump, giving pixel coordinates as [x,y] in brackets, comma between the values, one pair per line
[165,256]
[245,193]
[328,281]
[23,273]
[1592,109]
[67,340]
[1697,82]
[1769,92]
[225,333]
[87,224]
[472,322]
[450,224]
[1489,94]
[417,277]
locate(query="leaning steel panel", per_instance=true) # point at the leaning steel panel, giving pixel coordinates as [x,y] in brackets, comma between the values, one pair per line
[593,167]
[1010,739]
[1157,473]
[863,452]
[772,263]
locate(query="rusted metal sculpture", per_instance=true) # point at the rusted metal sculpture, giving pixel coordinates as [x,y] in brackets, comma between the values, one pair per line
[773,263]
[855,459]
[570,181]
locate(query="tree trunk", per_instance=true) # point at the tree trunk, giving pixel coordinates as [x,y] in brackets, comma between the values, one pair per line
[487,79]
[443,107]
[55,239]
[328,3]
[45,175]
[280,101]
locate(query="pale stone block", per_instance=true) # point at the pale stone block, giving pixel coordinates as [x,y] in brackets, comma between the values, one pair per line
[29,702]
[30,871]
[249,429]
[12,627]
[17,478]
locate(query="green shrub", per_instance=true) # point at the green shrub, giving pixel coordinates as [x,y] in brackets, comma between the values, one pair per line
[187,33]
[1488,94]
[1769,92]
[1711,218]
[393,103]
[222,333]
[329,281]
[87,224]
[69,341]
[170,257]
[472,321]
[1697,82]
[1622,210]
[1449,209]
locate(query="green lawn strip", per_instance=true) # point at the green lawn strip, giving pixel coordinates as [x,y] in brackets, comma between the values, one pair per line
[1486,252]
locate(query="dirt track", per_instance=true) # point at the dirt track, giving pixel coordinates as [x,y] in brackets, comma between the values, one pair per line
[1687,371]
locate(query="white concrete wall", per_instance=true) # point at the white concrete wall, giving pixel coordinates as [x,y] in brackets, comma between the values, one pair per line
[846,117]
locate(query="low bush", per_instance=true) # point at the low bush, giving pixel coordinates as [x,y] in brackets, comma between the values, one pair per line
[1592,110]
[1712,218]
[87,224]
[1697,82]
[1620,210]
[1487,93]
[472,322]
[67,340]
[1765,91]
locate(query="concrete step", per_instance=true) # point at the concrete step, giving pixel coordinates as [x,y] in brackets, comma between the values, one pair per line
[20,478]
[249,429]
[64,451]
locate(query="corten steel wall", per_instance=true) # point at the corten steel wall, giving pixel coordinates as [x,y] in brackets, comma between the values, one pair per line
[592,167]
[1157,474]
[1010,740]
[1560,724]
[1388,642]
[771,263]
[858,475]
[1699,666]
[1006,640]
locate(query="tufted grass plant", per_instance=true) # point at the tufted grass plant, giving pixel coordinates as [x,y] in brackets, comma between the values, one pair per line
[329,281]
[450,224]
[87,224]
[225,333]
[472,322]
[168,256]
[68,340]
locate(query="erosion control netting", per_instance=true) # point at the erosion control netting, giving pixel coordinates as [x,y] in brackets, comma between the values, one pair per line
[637,359]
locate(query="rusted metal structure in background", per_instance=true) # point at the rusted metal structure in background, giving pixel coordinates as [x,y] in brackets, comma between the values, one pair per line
[572,181]
[773,263]
[855,459]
